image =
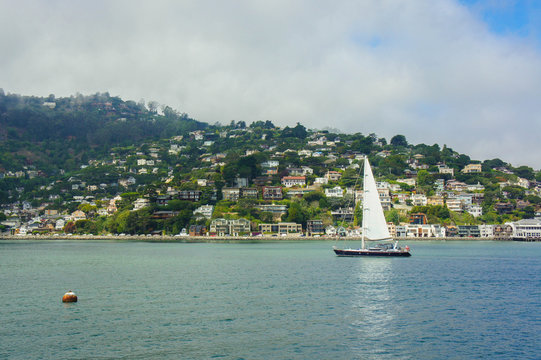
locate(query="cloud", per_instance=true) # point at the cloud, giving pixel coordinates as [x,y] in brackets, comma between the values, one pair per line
[430,70]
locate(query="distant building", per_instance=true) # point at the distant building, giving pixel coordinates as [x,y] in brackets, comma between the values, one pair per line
[204,211]
[290,181]
[472,168]
[272,193]
[197,230]
[231,194]
[526,229]
[333,175]
[336,192]
[315,227]
[468,231]
[418,219]
[281,228]
[343,214]
[189,195]
[77,215]
[249,193]
[224,227]
[277,209]
[474,210]
[140,203]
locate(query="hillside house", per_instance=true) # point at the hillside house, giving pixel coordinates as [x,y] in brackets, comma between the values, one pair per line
[231,194]
[336,192]
[472,168]
[204,211]
[272,193]
[140,203]
[333,175]
[77,215]
[290,181]
[189,195]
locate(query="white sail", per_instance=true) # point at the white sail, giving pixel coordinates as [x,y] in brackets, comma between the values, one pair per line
[374,224]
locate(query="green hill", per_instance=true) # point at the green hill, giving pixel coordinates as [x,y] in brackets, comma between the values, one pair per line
[52,133]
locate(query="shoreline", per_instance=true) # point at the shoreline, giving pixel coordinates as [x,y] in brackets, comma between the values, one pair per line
[225,239]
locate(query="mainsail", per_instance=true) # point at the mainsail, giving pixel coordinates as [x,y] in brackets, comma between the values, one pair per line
[374,223]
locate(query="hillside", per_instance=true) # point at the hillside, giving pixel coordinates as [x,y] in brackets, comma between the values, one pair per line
[99,164]
[60,133]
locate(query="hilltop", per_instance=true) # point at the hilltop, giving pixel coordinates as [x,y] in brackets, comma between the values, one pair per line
[99,164]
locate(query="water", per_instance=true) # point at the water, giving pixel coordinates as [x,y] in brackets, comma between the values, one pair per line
[282,300]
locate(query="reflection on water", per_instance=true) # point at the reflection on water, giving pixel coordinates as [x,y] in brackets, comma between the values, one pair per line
[374,309]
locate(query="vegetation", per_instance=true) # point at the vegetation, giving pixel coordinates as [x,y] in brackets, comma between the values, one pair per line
[100,155]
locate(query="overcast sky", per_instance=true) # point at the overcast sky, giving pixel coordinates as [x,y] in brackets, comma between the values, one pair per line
[462,73]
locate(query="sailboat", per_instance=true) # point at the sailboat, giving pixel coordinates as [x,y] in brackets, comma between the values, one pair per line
[374,226]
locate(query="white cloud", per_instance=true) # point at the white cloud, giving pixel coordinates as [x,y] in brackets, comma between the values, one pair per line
[425,69]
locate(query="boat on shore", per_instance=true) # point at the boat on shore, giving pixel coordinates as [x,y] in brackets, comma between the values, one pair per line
[374,225]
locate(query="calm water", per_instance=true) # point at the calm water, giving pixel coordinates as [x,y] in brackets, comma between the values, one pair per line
[284,300]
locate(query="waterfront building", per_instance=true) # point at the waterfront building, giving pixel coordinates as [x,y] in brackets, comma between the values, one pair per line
[224,227]
[468,231]
[421,231]
[526,229]
[400,231]
[281,228]
[315,227]
[486,230]
[197,230]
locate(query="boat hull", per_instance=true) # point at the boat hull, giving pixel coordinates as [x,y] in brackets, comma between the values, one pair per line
[368,252]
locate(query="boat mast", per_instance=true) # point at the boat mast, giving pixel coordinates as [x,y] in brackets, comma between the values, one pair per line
[363,223]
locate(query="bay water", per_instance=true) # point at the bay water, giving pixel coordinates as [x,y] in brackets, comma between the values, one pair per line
[268,300]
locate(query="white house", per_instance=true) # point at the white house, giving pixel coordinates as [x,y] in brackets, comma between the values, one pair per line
[290,181]
[419,200]
[334,192]
[321,180]
[204,211]
[140,203]
[474,209]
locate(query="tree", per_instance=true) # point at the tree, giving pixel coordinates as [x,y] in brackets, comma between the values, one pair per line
[393,216]
[525,172]
[424,178]
[399,140]
[153,106]
[296,214]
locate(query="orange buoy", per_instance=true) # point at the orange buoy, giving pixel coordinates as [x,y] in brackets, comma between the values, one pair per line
[69,297]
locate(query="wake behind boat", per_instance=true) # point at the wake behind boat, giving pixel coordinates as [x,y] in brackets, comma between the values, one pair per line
[374,226]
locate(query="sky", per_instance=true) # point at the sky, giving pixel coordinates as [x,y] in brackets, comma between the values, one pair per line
[464,73]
